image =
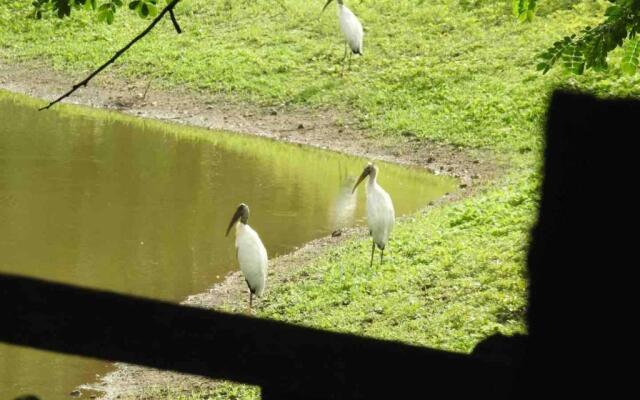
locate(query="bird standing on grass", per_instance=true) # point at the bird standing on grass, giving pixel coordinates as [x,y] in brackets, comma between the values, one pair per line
[251,254]
[380,213]
[351,29]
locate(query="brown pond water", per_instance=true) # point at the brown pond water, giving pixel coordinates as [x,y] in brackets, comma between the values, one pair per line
[135,206]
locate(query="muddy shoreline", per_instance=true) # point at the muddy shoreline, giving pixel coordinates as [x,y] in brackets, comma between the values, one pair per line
[321,128]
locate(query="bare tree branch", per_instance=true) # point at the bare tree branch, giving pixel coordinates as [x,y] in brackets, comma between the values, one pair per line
[167,9]
[175,21]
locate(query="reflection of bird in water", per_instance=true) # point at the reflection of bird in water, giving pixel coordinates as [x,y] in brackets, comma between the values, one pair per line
[344,206]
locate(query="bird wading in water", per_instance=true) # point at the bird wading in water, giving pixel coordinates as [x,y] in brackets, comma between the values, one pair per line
[380,213]
[351,29]
[250,252]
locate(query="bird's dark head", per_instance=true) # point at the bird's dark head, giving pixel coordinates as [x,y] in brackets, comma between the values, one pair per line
[370,170]
[329,2]
[242,214]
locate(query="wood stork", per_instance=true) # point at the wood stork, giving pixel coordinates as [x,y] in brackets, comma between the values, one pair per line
[380,213]
[351,29]
[250,252]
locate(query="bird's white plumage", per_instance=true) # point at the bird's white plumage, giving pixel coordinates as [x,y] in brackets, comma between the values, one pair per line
[351,28]
[380,213]
[252,257]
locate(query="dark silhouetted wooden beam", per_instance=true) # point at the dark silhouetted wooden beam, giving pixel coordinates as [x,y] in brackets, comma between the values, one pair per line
[284,359]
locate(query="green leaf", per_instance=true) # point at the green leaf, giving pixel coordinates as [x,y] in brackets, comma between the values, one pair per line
[573,59]
[38,5]
[543,66]
[144,10]
[109,17]
[613,12]
[90,5]
[106,12]
[153,10]
[629,64]
[553,54]
[62,8]
[591,48]
[524,9]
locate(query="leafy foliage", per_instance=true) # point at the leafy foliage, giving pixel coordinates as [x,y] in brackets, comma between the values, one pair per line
[629,64]
[62,8]
[144,8]
[590,48]
[524,9]
[105,12]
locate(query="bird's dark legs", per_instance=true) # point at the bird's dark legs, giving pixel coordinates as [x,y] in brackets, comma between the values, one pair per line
[381,255]
[343,58]
[349,67]
[250,300]
[373,248]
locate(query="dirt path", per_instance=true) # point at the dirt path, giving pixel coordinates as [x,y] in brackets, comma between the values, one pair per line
[317,127]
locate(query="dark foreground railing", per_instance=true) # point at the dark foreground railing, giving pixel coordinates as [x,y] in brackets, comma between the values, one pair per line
[282,358]
[578,287]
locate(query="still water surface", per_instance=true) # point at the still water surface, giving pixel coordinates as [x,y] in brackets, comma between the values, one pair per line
[136,206]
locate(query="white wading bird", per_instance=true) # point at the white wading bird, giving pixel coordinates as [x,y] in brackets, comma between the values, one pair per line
[380,213]
[251,254]
[351,29]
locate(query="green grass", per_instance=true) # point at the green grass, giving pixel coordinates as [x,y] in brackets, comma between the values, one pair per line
[460,72]
[452,276]
[456,71]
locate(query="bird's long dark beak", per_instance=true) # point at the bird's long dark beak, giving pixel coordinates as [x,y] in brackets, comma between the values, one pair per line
[234,219]
[364,174]
[326,5]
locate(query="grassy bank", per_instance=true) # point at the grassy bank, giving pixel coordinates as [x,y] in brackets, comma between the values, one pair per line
[454,71]
[450,70]
[454,275]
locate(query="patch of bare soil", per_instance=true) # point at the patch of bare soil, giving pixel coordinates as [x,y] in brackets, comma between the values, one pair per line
[323,128]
